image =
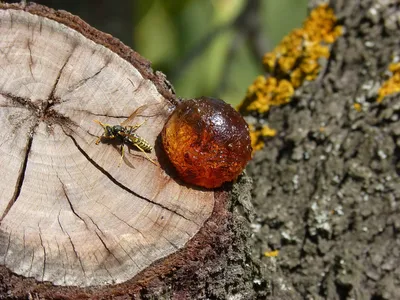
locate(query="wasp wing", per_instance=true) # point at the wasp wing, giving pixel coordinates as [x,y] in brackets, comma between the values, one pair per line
[133,115]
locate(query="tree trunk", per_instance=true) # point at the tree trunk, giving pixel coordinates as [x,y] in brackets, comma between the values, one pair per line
[327,187]
[79,219]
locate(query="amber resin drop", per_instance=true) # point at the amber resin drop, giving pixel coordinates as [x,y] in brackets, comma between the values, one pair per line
[207,141]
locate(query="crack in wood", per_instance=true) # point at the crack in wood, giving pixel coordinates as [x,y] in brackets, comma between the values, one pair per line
[34,24]
[95,224]
[176,247]
[76,253]
[11,106]
[130,226]
[62,261]
[21,176]
[42,113]
[159,190]
[130,257]
[21,102]
[135,89]
[5,54]
[24,242]
[67,258]
[44,253]
[31,63]
[106,247]
[59,251]
[73,247]
[127,224]
[119,184]
[70,203]
[9,49]
[8,247]
[143,236]
[40,25]
[59,222]
[83,81]
[114,116]
[103,265]
[98,228]
[31,266]
[11,21]
[53,90]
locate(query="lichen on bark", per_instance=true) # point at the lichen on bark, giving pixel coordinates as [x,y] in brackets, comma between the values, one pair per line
[327,187]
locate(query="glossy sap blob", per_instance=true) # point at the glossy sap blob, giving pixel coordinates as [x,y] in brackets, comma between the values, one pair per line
[207,141]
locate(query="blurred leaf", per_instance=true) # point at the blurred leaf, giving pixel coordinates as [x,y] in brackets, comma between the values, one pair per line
[199,15]
[203,75]
[167,32]
[155,35]
[140,10]
[280,17]
[243,72]
[226,10]
[175,7]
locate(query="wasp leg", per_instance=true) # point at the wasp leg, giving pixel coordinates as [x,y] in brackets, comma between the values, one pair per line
[134,128]
[148,157]
[105,132]
[106,136]
[98,140]
[99,137]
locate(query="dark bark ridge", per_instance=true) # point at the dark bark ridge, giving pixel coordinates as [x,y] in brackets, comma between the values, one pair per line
[327,188]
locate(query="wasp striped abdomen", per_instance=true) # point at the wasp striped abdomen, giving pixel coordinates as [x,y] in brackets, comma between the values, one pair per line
[136,140]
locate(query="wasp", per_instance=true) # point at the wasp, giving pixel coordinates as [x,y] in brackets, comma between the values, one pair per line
[127,136]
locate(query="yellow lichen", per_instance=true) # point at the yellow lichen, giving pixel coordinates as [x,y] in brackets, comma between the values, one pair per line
[357,107]
[394,67]
[294,60]
[392,85]
[257,136]
[267,92]
[274,253]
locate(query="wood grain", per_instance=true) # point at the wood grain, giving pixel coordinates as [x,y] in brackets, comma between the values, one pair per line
[69,214]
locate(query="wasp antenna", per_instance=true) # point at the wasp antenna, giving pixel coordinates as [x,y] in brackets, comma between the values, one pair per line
[98,122]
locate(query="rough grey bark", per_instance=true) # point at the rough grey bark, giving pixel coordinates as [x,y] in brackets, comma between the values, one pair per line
[329,200]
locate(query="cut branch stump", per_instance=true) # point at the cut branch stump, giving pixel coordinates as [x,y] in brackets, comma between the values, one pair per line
[74,222]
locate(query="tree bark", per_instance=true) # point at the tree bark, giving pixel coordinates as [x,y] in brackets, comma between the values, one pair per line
[327,187]
[73,222]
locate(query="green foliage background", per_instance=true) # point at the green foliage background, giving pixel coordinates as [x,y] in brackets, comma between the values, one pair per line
[165,32]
